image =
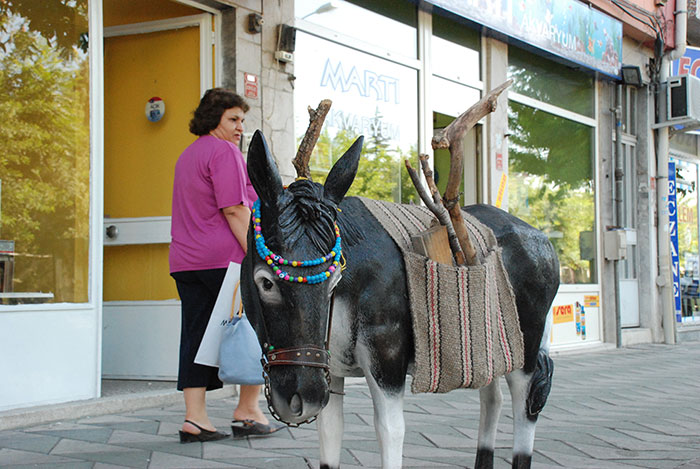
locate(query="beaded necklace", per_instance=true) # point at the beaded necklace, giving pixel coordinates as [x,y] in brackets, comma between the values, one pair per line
[274,260]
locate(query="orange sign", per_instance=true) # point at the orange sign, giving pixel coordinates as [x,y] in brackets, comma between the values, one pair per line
[563,313]
[590,300]
[501,190]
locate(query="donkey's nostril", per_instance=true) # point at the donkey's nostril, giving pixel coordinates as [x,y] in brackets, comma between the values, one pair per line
[295,404]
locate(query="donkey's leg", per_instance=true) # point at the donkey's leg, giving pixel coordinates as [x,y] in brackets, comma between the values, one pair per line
[491,399]
[388,422]
[529,393]
[330,426]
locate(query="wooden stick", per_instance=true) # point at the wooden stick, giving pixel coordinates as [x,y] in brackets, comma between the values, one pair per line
[306,147]
[451,137]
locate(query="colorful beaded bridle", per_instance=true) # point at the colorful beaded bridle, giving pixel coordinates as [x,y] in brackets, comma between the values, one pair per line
[306,355]
[275,261]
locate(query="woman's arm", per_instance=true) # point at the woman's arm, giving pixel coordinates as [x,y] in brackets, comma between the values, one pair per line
[238,218]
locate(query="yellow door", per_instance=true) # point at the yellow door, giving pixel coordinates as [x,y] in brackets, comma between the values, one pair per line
[141,310]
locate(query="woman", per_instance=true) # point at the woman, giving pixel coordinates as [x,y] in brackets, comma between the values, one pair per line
[212,197]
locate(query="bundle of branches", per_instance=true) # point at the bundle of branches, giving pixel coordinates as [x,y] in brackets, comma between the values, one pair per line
[446,207]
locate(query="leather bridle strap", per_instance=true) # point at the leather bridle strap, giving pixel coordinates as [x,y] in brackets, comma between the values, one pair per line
[306,355]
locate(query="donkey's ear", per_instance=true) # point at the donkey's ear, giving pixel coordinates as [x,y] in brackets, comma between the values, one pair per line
[262,170]
[343,172]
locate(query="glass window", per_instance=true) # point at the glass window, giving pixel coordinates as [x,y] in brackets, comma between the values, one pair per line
[454,51]
[395,32]
[371,97]
[550,185]
[550,82]
[687,200]
[44,150]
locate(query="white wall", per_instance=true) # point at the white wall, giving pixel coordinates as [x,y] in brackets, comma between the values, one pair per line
[47,357]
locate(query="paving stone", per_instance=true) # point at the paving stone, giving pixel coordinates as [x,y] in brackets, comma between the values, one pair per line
[97,435]
[17,457]
[63,465]
[28,441]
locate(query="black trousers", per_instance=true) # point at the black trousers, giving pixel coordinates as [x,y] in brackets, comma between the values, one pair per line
[198,290]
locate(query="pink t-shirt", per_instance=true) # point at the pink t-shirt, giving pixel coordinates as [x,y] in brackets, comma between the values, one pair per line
[209,175]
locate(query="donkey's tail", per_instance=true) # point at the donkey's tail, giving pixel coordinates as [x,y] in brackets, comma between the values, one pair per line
[540,384]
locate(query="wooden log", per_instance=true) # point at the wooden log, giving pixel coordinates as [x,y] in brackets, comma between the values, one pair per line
[433,243]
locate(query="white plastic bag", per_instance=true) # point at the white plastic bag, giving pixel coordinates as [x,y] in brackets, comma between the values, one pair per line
[208,353]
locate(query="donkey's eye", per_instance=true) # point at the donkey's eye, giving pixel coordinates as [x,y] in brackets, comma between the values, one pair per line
[267,284]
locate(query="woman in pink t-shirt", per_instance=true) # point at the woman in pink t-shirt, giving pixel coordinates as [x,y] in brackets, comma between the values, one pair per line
[212,196]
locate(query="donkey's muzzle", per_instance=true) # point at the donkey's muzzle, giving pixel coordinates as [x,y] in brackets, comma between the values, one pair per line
[296,396]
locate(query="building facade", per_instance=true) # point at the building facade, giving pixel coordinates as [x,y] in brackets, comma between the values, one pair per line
[100,93]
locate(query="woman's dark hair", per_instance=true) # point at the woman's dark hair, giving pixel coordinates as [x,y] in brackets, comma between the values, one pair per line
[211,107]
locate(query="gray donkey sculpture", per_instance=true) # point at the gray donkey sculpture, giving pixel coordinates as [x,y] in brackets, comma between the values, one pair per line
[307,355]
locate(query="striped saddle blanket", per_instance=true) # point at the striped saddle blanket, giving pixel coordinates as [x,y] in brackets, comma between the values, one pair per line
[465,323]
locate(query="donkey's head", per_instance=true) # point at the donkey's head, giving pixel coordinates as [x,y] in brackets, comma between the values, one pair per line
[289,302]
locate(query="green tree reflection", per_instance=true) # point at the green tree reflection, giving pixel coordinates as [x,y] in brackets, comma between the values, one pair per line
[381,174]
[551,185]
[44,144]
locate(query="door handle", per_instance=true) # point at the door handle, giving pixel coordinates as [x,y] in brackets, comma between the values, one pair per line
[112,232]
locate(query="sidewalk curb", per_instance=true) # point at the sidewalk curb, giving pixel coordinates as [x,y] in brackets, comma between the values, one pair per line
[39,415]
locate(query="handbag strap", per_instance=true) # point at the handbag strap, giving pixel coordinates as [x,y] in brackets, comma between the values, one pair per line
[233,303]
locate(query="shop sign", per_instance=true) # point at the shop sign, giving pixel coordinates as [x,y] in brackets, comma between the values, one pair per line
[562,314]
[689,63]
[250,83]
[590,301]
[567,28]
[673,231]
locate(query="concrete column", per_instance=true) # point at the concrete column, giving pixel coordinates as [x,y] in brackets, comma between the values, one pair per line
[495,72]
[606,171]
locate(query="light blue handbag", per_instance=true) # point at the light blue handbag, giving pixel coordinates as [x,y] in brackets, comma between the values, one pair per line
[240,352]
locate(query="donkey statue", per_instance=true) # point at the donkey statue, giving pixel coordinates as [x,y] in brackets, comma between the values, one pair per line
[307,355]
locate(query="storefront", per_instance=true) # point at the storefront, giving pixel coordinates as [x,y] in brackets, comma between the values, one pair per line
[98,95]
[685,157]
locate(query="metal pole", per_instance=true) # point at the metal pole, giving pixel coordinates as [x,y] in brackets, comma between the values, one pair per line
[619,175]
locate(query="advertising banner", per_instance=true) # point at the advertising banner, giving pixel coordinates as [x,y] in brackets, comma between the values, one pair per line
[673,230]
[567,28]
[689,63]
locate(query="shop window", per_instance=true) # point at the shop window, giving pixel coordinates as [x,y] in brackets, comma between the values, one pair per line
[454,51]
[551,185]
[389,25]
[44,151]
[371,97]
[550,82]
[687,213]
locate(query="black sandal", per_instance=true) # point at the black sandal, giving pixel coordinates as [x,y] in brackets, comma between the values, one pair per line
[250,427]
[204,435]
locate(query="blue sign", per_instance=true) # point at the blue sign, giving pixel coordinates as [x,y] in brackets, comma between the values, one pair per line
[688,64]
[673,230]
[567,28]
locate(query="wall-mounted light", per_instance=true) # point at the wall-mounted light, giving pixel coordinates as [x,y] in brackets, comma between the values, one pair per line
[631,75]
[255,23]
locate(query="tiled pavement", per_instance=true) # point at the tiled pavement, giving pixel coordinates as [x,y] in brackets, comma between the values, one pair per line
[628,408]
